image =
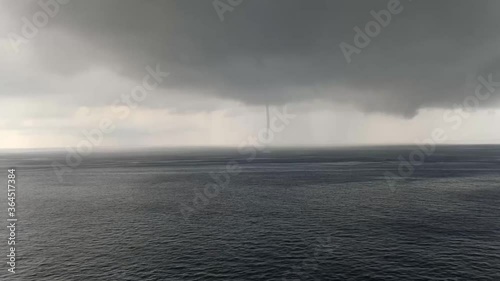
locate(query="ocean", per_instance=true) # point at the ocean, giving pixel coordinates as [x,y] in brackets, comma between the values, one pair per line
[285,214]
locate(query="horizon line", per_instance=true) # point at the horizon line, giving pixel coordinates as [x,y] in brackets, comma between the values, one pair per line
[216,147]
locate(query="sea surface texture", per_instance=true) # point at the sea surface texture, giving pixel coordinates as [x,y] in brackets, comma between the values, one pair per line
[287,214]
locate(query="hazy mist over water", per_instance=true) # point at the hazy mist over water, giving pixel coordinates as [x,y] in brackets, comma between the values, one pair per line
[310,214]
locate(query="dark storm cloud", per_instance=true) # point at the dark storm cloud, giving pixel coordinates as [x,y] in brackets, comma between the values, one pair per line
[281,51]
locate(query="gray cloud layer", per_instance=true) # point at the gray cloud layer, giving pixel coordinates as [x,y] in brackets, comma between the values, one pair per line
[281,51]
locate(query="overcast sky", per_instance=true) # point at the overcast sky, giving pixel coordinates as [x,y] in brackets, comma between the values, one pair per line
[64,65]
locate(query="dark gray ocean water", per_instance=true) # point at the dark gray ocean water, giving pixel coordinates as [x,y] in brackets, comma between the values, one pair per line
[295,214]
